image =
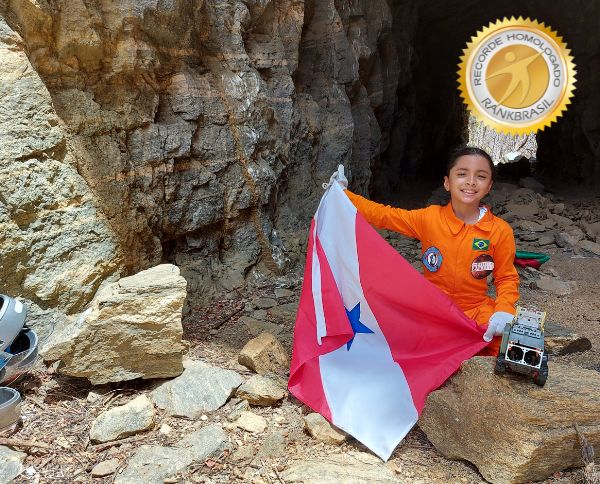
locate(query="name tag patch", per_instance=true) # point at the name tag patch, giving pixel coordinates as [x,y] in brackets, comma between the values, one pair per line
[482,266]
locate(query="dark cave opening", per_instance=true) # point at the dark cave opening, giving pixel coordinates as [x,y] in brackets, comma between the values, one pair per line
[431,111]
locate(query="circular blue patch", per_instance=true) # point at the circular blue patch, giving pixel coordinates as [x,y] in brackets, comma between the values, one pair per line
[432,259]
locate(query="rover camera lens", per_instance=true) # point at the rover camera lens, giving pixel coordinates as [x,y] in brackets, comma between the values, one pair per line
[532,358]
[515,353]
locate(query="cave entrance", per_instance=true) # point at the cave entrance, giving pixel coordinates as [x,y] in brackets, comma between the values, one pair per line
[438,121]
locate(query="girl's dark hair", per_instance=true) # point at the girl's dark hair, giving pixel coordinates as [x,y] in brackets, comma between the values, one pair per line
[469,150]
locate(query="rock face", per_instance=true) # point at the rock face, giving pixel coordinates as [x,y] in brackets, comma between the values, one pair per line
[201,388]
[57,246]
[152,464]
[264,353]
[131,330]
[119,422]
[500,146]
[199,132]
[182,123]
[512,430]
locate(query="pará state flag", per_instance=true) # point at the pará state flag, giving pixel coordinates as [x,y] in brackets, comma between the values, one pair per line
[373,337]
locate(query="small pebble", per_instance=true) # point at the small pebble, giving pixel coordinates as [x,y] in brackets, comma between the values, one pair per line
[281,292]
[105,468]
[94,397]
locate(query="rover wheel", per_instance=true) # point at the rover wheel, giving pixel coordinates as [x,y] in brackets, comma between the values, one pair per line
[500,366]
[541,376]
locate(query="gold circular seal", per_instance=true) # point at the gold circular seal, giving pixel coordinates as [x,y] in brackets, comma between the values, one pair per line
[517,76]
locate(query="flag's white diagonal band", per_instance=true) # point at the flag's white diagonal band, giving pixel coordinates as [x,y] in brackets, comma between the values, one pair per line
[316,287]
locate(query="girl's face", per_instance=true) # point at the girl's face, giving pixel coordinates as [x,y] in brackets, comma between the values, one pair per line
[470,180]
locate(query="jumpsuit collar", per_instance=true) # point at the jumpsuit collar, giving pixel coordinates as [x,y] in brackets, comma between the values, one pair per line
[455,224]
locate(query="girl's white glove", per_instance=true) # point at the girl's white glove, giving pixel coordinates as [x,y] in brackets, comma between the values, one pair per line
[496,325]
[337,176]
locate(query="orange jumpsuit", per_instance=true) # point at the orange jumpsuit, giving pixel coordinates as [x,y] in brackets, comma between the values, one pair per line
[457,257]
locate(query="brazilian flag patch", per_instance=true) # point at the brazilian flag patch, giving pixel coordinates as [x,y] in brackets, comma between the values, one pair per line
[481,244]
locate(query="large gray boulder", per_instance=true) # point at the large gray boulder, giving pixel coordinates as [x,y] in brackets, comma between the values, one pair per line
[132,329]
[152,464]
[511,429]
[119,422]
[201,388]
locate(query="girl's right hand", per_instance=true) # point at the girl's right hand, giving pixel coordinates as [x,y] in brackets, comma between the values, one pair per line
[339,177]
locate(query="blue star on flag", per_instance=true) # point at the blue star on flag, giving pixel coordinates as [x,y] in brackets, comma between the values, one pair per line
[357,326]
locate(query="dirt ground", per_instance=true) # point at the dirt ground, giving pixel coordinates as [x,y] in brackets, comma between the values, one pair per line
[58,411]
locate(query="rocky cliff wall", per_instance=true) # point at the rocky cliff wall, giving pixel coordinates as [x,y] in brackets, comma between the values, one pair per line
[57,246]
[197,132]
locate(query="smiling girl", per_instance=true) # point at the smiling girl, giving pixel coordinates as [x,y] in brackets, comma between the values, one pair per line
[462,242]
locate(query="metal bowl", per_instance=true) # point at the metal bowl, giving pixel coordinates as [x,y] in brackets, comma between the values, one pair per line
[10,407]
[22,357]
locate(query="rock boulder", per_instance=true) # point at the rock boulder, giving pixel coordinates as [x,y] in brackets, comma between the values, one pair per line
[512,430]
[119,422]
[152,464]
[319,428]
[588,248]
[559,340]
[251,422]
[554,285]
[201,388]
[262,391]
[132,329]
[105,468]
[264,353]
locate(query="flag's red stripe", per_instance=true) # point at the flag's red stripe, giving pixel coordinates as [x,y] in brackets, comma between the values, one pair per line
[305,376]
[428,334]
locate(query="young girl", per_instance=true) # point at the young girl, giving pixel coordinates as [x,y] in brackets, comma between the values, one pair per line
[462,242]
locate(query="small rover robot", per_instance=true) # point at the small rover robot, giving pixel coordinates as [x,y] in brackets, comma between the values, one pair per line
[522,348]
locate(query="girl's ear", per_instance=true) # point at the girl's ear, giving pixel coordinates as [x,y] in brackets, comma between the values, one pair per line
[446,184]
